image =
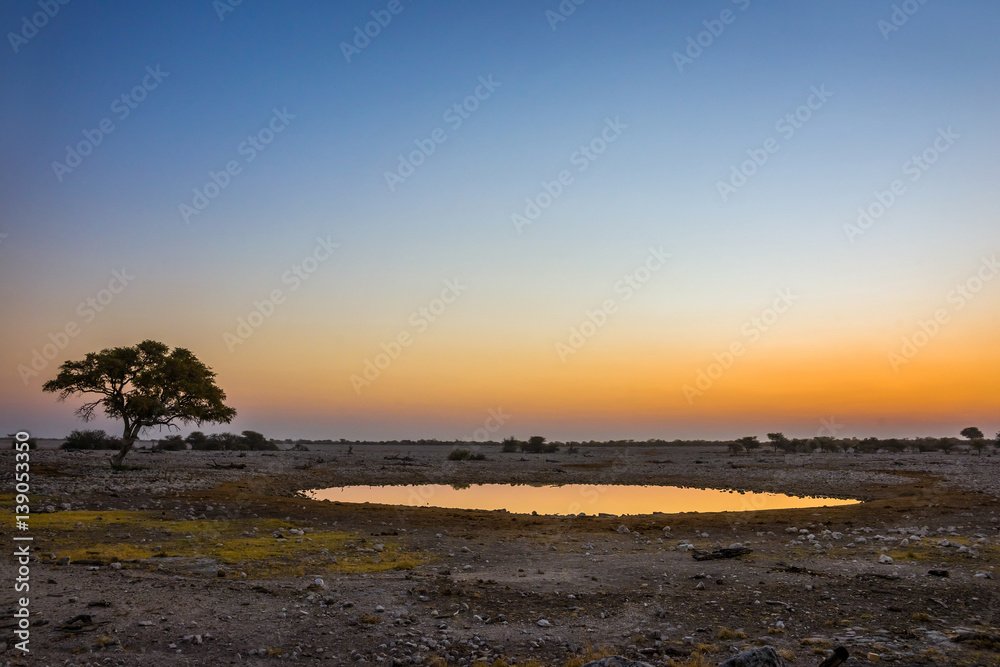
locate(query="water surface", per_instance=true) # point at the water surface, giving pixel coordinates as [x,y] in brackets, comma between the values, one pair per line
[616,499]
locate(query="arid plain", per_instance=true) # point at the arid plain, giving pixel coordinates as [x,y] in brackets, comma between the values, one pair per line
[190,559]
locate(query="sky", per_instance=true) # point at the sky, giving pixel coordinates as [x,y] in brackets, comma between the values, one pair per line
[585,220]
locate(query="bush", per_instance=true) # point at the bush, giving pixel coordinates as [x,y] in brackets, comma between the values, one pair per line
[536,445]
[172,443]
[510,445]
[478,456]
[32,442]
[245,442]
[97,439]
[459,455]
[256,442]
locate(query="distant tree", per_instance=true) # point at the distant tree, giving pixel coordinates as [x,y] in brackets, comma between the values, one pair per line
[972,433]
[95,439]
[734,447]
[975,437]
[226,442]
[826,443]
[509,445]
[257,442]
[536,445]
[32,442]
[196,439]
[172,443]
[778,440]
[750,442]
[145,385]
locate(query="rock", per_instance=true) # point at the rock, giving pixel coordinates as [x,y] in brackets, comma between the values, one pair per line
[623,529]
[700,586]
[873,657]
[543,623]
[63,561]
[616,661]
[757,657]
[938,573]
[885,560]
[983,574]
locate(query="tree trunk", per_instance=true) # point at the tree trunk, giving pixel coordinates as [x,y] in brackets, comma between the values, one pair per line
[128,438]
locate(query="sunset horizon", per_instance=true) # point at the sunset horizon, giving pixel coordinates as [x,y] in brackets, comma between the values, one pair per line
[634,225]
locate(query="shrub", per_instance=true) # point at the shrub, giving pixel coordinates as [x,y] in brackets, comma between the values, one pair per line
[459,455]
[172,443]
[256,442]
[96,439]
[32,442]
[510,445]
[536,445]
[478,456]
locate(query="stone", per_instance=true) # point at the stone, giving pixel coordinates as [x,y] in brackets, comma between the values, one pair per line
[765,656]
[885,560]
[543,623]
[616,661]
[623,529]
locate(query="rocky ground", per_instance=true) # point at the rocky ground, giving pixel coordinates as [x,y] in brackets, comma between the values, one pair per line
[179,562]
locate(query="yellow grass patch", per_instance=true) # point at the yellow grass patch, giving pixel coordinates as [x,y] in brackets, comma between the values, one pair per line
[130,536]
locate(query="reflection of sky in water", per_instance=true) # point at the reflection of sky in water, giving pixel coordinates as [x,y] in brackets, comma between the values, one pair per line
[571,498]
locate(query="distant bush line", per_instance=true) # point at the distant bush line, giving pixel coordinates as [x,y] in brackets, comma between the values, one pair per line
[246,441]
[465,450]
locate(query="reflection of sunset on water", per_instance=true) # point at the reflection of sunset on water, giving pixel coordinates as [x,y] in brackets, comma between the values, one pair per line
[571,498]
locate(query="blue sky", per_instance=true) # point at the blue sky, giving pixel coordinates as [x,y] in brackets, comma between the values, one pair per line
[656,184]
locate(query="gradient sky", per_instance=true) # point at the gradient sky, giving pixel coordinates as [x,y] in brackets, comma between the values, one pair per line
[496,346]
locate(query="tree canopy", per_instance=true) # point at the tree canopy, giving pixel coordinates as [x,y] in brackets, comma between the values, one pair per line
[145,385]
[971,432]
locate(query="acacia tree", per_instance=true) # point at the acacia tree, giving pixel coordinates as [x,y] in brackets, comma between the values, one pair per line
[750,442]
[778,440]
[975,437]
[145,385]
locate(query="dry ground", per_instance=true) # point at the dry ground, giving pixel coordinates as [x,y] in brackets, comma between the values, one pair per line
[179,563]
